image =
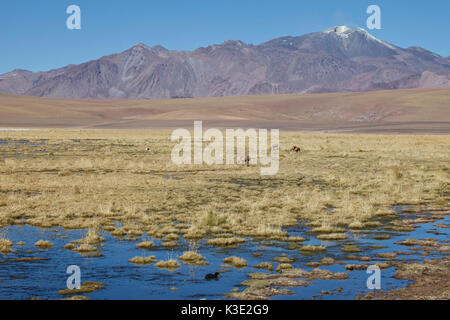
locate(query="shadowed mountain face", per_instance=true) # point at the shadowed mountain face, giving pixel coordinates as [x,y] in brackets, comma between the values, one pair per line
[338,59]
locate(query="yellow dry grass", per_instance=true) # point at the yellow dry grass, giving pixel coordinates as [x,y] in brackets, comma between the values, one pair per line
[43,244]
[92,179]
[5,246]
[171,264]
[235,261]
[145,245]
[193,258]
[86,287]
[142,260]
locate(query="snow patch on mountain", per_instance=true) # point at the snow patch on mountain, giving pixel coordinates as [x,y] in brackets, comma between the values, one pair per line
[371,37]
[341,31]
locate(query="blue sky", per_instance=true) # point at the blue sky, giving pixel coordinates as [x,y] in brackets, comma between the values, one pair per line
[33,34]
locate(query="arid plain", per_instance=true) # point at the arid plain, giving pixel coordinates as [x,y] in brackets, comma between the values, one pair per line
[396,111]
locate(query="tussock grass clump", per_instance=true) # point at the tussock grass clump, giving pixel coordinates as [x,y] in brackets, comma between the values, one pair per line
[382,237]
[193,258]
[385,213]
[314,274]
[171,237]
[312,249]
[327,229]
[142,260]
[145,245]
[261,292]
[171,264]
[43,244]
[283,259]
[170,244]
[88,244]
[375,247]
[211,218]
[261,286]
[400,228]
[191,255]
[83,248]
[313,264]
[5,246]
[263,231]
[69,246]
[350,248]
[133,233]
[283,266]
[225,242]
[77,298]
[372,224]
[415,242]
[358,225]
[295,239]
[365,259]
[235,261]
[416,270]
[327,261]
[383,265]
[387,255]
[194,233]
[86,287]
[332,236]
[118,232]
[264,265]
[93,236]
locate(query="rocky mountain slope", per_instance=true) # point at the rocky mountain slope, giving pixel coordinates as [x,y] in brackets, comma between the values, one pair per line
[336,60]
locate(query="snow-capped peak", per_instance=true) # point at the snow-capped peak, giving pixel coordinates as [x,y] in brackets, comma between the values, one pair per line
[341,31]
[344,32]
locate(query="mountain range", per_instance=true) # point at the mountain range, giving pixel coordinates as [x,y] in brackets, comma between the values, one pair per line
[339,59]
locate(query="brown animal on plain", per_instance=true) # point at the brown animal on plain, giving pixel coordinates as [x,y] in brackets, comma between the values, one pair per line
[247,160]
[296,149]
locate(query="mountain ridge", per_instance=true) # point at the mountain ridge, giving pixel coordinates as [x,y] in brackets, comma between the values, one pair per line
[338,59]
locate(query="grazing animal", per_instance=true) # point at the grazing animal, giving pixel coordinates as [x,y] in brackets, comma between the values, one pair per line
[211,276]
[296,149]
[247,160]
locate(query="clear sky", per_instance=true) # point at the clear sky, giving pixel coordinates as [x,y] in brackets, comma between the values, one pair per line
[33,34]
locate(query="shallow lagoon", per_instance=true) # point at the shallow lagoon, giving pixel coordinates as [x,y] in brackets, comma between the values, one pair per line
[124,280]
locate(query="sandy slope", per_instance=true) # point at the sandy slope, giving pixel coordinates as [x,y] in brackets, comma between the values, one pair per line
[421,110]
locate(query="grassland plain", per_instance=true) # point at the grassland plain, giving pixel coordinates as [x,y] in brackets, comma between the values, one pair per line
[93,179]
